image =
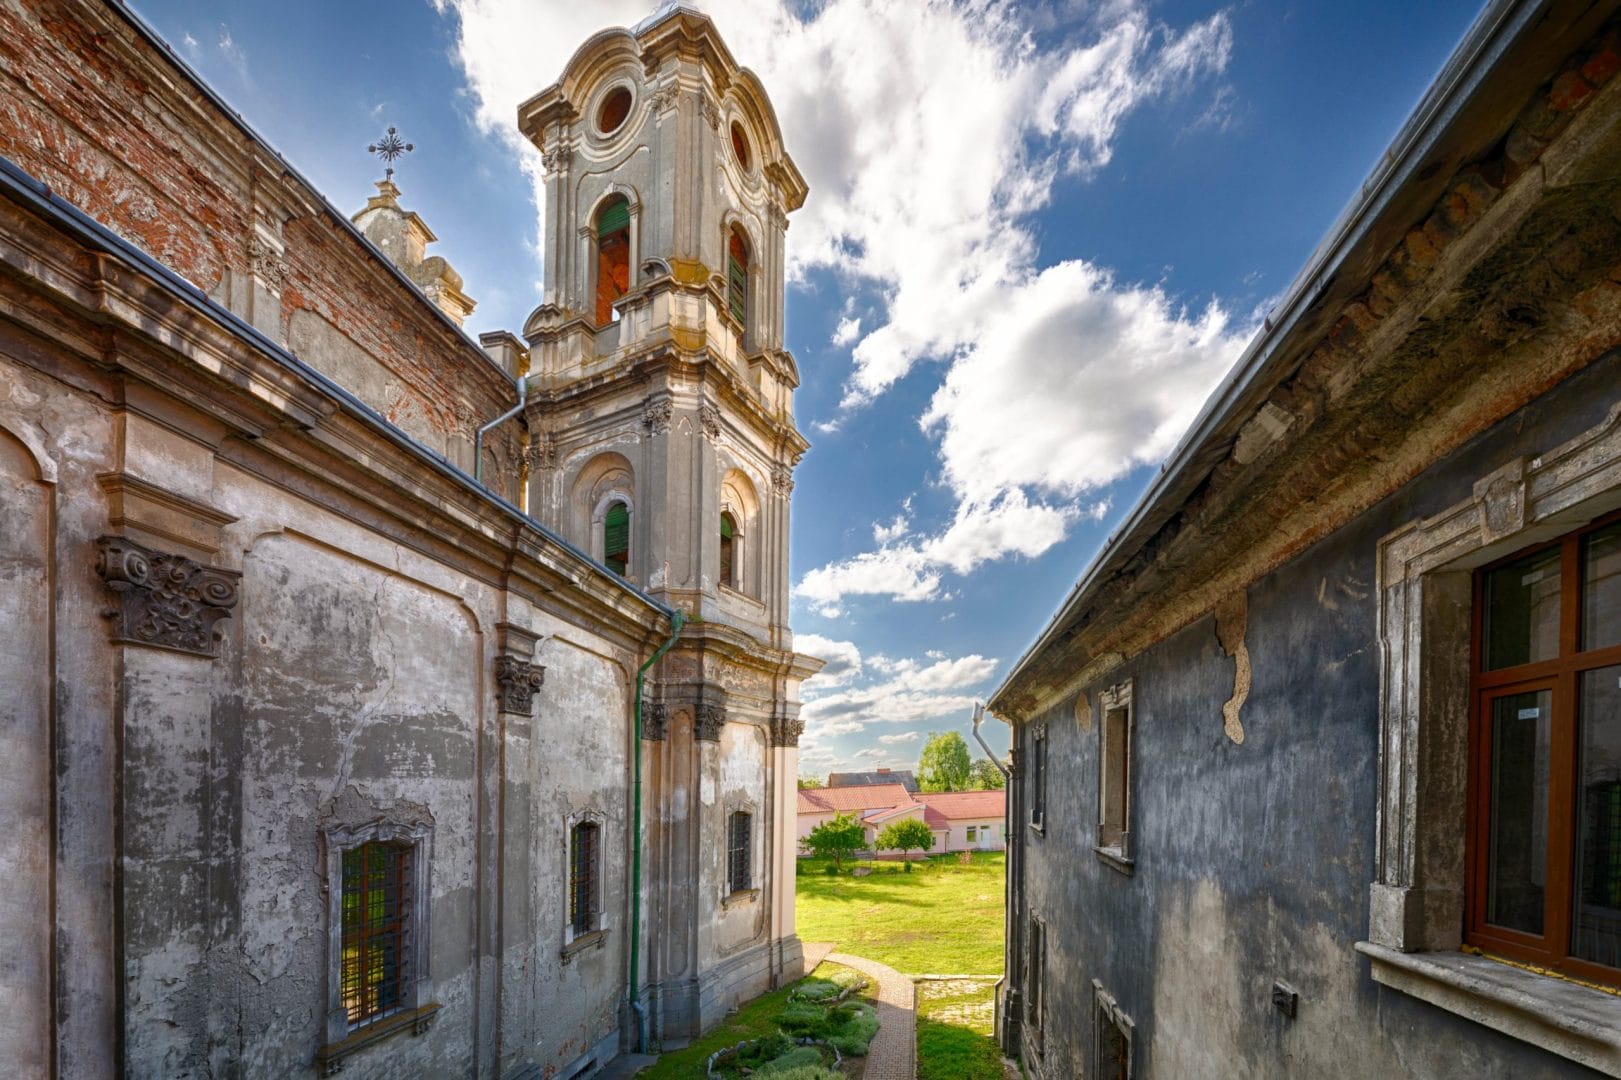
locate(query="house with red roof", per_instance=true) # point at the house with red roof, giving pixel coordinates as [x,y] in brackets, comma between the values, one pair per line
[960,820]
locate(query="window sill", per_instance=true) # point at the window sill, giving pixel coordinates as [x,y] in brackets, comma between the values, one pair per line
[1115,859]
[739,594]
[329,1058]
[1564,1018]
[741,896]
[1039,828]
[596,939]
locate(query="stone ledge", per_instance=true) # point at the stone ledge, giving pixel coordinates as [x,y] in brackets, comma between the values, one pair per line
[596,939]
[329,1059]
[1115,859]
[1565,1018]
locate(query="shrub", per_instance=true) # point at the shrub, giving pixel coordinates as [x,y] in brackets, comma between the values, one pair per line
[853,1035]
[794,1061]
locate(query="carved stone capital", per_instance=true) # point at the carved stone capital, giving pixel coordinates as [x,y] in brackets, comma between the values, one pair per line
[518,681]
[656,417]
[266,262]
[710,720]
[778,216]
[541,452]
[709,420]
[785,731]
[664,99]
[782,478]
[711,113]
[655,720]
[164,600]
[557,158]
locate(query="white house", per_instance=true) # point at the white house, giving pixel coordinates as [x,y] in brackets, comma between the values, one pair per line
[960,820]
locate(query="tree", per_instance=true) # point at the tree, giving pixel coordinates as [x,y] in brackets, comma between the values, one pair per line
[809,782]
[983,775]
[837,839]
[905,835]
[944,764]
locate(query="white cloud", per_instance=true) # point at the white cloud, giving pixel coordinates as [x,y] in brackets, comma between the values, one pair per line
[924,202]
[905,691]
[903,737]
[843,658]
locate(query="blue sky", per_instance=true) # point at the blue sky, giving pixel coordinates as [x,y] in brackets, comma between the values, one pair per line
[1037,236]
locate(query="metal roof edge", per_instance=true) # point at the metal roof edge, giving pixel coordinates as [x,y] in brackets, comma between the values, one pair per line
[1499,24]
[27,190]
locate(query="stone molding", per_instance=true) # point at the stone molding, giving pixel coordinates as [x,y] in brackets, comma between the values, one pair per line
[163,600]
[541,452]
[267,261]
[709,420]
[1424,579]
[782,478]
[709,718]
[518,681]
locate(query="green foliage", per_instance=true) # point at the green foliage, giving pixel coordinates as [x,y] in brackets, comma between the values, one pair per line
[983,775]
[944,764]
[907,834]
[837,839]
[854,1034]
[805,1072]
[954,1032]
[806,782]
[946,918]
[802,1060]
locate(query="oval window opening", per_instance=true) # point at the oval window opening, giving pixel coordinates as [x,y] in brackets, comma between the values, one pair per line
[615,107]
[740,144]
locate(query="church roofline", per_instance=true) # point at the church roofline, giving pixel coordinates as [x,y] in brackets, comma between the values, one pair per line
[25,190]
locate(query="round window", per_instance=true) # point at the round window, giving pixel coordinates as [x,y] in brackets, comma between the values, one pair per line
[615,107]
[740,144]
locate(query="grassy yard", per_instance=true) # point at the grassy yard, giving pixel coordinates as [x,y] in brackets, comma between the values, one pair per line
[954,1031]
[759,1018]
[944,917]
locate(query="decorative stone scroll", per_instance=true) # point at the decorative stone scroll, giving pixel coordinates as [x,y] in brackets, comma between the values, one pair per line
[541,452]
[782,478]
[710,720]
[167,601]
[709,419]
[518,682]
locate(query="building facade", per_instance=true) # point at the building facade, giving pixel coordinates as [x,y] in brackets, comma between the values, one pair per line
[321,746]
[1317,767]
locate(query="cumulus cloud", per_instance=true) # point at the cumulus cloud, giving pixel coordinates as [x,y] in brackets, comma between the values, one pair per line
[842,658]
[904,691]
[1096,376]
[903,737]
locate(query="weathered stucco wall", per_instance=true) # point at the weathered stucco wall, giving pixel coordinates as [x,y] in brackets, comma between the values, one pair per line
[1253,859]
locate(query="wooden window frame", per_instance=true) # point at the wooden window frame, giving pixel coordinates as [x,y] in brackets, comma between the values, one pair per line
[1561,677]
[1116,764]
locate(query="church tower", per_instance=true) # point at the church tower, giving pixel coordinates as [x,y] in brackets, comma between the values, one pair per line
[662,442]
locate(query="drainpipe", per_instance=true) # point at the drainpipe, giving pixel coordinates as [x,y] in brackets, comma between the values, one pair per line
[478,438]
[677,620]
[1010,839]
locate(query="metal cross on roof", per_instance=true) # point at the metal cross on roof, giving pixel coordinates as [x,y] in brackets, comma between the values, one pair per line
[390,147]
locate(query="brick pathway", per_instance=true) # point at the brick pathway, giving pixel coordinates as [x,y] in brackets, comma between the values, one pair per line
[892,1055]
[815,953]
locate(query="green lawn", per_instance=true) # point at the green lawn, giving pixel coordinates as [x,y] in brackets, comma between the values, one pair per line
[954,1031]
[943,917]
[755,1020]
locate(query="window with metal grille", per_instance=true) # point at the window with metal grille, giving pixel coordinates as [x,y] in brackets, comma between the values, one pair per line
[737,852]
[376,896]
[737,276]
[582,878]
[1545,771]
[728,544]
[616,539]
[613,257]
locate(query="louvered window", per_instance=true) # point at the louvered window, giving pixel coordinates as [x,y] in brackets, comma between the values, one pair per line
[616,539]
[737,277]
[737,852]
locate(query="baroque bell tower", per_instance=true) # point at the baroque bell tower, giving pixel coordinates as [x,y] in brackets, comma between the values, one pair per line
[662,443]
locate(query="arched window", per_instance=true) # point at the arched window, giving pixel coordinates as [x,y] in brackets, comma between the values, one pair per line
[728,544]
[613,256]
[616,538]
[737,276]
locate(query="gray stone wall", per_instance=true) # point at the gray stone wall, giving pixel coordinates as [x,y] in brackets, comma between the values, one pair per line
[1252,860]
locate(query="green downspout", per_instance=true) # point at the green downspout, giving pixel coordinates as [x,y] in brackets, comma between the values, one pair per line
[677,620]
